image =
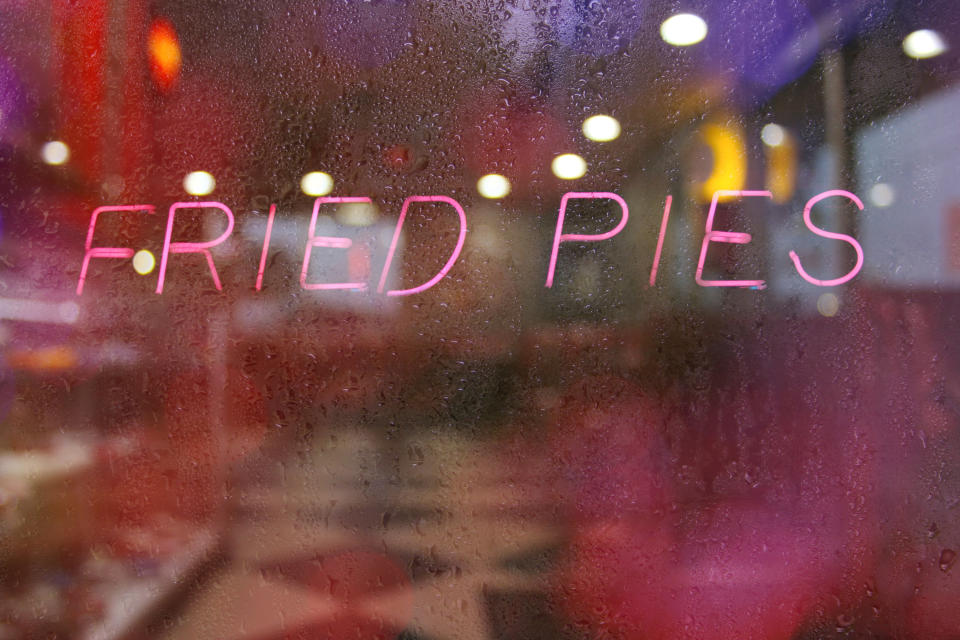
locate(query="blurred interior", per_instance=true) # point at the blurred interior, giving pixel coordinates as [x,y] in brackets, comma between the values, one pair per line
[619,455]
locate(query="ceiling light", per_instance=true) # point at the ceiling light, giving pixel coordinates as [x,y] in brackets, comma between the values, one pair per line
[683,29]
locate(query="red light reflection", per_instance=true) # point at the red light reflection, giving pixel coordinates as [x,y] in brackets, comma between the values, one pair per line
[165,58]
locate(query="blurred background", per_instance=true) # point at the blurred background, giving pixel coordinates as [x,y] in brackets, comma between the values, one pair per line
[614,456]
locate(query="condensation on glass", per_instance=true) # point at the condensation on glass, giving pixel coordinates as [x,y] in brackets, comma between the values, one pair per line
[466,320]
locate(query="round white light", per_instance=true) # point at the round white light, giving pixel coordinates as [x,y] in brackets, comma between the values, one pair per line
[828,304]
[925,43]
[493,186]
[601,128]
[881,194]
[316,183]
[55,152]
[199,183]
[683,29]
[143,262]
[569,166]
[773,135]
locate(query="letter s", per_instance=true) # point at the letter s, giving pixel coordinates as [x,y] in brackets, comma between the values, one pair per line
[829,234]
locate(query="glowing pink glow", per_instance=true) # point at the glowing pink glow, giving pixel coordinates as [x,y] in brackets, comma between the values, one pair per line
[829,234]
[105,252]
[358,259]
[330,242]
[731,237]
[663,231]
[193,247]
[559,236]
[266,245]
[396,237]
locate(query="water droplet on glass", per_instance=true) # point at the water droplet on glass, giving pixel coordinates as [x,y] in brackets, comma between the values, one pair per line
[947,558]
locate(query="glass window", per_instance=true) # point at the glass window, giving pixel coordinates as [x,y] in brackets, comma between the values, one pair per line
[430,319]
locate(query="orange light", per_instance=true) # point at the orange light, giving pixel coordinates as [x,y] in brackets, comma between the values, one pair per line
[57,358]
[164,54]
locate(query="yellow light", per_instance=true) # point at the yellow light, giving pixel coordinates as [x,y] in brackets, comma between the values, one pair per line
[729,159]
[828,304]
[316,183]
[143,262]
[601,128]
[493,186]
[55,152]
[925,43]
[683,30]
[199,183]
[569,166]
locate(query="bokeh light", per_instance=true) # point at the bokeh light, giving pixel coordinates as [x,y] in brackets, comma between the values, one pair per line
[601,128]
[728,150]
[165,58]
[683,29]
[493,186]
[925,43]
[828,304]
[55,152]
[316,183]
[569,166]
[199,183]
[882,194]
[773,135]
[143,262]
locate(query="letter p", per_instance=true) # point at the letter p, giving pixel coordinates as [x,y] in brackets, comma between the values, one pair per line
[559,236]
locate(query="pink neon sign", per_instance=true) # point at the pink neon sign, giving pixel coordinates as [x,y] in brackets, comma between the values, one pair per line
[732,237]
[829,234]
[559,236]
[193,247]
[358,257]
[663,232]
[105,252]
[266,246]
[327,242]
[396,236]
